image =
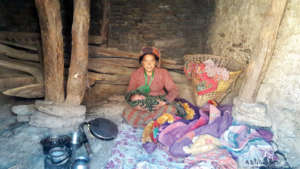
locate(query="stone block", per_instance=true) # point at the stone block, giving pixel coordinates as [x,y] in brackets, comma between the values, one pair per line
[40,119]
[60,110]
[251,113]
[23,118]
[23,110]
[176,27]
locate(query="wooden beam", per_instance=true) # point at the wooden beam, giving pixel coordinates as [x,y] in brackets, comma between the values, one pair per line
[122,62]
[112,52]
[16,44]
[263,52]
[105,20]
[53,51]
[93,50]
[18,54]
[29,40]
[15,81]
[128,62]
[23,66]
[101,92]
[114,79]
[27,91]
[77,80]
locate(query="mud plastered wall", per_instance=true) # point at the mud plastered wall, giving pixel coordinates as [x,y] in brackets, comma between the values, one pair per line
[234,32]
[235,28]
[280,89]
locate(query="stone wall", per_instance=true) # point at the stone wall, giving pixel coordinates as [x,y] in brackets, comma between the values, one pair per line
[234,30]
[176,27]
[21,16]
[280,89]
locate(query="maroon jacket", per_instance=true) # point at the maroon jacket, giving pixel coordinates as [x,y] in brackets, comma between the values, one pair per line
[162,79]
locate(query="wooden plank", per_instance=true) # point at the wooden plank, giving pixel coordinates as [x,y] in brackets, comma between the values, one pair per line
[128,62]
[118,74]
[13,82]
[28,91]
[110,69]
[28,47]
[27,67]
[100,51]
[18,54]
[121,62]
[108,78]
[29,39]
[93,50]
[101,92]
[263,52]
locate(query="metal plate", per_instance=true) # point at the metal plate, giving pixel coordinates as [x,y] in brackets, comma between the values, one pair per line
[103,128]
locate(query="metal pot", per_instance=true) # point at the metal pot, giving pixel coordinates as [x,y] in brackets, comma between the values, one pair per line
[65,164]
[55,141]
[59,154]
[81,162]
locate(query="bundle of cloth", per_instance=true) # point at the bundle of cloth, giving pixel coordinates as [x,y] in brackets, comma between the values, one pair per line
[207,73]
[176,132]
[137,97]
[207,136]
[252,147]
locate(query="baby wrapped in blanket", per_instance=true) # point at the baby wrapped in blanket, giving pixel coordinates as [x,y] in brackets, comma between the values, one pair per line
[139,98]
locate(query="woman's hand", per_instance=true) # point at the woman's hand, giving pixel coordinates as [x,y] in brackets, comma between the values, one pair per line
[159,105]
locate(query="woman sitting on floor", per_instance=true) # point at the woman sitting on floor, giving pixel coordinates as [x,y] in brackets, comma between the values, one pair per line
[150,90]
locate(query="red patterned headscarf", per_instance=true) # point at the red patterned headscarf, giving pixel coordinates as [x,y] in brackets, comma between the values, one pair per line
[151,50]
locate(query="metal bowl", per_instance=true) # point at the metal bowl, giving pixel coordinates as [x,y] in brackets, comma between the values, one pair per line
[55,141]
[81,162]
[65,164]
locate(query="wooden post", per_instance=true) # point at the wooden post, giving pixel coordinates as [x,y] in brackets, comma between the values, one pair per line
[263,52]
[77,80]
[53,51]
[105,21]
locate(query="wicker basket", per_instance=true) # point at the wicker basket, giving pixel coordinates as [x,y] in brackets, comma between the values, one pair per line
[235,69]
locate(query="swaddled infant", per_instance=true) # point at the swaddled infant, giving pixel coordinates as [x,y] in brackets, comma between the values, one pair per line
[148,102]
[137,97]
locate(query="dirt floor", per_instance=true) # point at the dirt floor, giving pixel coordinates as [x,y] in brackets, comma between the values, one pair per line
[20,143]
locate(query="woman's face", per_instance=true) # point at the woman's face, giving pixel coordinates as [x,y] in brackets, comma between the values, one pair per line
[149,62]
